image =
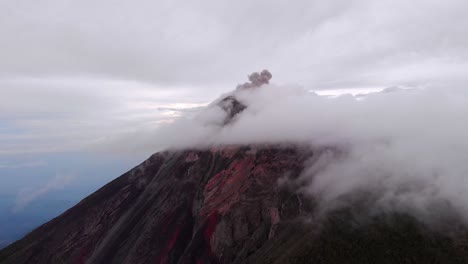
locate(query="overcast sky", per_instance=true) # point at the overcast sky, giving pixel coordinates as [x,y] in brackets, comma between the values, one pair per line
[180,43]
[74,71]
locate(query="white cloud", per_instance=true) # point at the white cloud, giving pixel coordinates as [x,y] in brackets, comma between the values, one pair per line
[324,44]
[409,144]
[74,72]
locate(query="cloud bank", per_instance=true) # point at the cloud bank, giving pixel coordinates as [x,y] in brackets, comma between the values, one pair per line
[407,145]
[94,71]
[332,44]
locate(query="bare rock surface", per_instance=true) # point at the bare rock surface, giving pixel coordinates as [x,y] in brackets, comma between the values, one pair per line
[224,205]
[177,207]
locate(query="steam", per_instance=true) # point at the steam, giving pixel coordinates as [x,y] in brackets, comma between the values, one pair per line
[407,146]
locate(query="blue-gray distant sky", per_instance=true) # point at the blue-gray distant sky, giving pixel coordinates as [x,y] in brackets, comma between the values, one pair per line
[75,74]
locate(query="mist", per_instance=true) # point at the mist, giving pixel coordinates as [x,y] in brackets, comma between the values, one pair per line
[406,145]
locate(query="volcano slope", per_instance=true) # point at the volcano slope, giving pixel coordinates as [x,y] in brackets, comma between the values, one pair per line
[227,205]
[235,204]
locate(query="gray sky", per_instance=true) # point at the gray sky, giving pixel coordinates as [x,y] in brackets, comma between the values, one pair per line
[323,43]
[73,72]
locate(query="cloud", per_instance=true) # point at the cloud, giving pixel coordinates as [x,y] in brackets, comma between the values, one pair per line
[26,196]
[76,72]
[407,146]
[324,44]
[68,114]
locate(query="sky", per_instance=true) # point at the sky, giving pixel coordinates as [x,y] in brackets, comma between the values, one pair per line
[81,81]
[76,72]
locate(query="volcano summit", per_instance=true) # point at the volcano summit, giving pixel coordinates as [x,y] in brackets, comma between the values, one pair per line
[250,203]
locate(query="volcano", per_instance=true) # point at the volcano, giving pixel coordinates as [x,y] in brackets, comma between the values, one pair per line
[230,204]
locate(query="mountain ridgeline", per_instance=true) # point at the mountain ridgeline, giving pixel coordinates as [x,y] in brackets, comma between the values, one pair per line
[224,205]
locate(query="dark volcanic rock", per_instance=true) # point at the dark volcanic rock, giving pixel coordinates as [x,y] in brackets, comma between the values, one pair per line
[232,107]
[177,207]
[224,205]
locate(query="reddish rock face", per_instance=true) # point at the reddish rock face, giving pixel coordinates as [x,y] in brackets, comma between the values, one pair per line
[224,205]
[197,206]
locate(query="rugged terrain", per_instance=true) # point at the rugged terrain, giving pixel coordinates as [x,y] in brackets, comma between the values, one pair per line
[225,205]
[190,206]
